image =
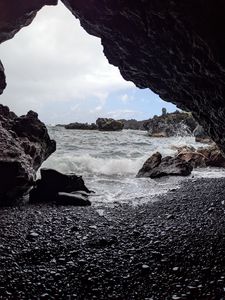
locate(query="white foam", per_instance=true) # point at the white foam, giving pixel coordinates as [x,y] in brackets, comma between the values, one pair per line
[86,164]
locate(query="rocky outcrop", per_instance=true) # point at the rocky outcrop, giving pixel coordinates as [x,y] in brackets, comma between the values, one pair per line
[105,124]
[2,79]
[156,167]
[133,124]
[60,188]
[82,126]
[170,124]
[202,157]
[24,145]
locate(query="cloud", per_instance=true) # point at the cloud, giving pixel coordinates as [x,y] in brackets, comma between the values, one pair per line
[123,114]
[53,66]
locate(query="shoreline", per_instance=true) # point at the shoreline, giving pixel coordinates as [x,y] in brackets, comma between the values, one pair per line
[169,249]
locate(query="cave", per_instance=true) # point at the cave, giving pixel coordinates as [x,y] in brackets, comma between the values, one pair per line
[176,49]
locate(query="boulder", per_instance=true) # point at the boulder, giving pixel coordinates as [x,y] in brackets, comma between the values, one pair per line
[24,145]
[151,163]
[156,167]
[105,124]
[82,126]
[202,157]
[72,199]
[60,188]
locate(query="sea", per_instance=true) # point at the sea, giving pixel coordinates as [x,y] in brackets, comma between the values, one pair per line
[109,162]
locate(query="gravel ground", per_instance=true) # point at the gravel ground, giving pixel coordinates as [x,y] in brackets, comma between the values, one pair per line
[170,249]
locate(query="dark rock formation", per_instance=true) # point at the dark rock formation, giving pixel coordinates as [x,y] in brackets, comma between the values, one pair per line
[170,124]
[81,126]
[24,145]
[2,78]
[133,124]
[16,14]
[156,166]
[57,187]
[105,124]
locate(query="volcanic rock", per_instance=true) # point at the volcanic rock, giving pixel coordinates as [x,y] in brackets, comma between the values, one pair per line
[202,157]
[170,124]
[156,166]
[82,126]
[57,187]
[24,145]
[133,124]
[2,78]
[105,124]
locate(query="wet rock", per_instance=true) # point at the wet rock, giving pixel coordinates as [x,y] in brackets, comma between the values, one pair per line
[151,163]
[133,124]
[82,126]
[202,157]
[156,166]
[170,124]
[2,78]
[60,188]
[105,124]
[72,199]
[24,145]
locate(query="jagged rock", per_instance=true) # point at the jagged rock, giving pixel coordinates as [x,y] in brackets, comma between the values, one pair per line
[170,124]
[82,126]
[105,124]
[151,163]
[201,136]
[202,157]
[16,14]
[156,166]
[24,145]
[2,79]
[57,187]
[133,124]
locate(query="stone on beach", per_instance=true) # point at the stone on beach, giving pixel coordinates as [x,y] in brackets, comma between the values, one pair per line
[60,188]
[202,157]
[156,166]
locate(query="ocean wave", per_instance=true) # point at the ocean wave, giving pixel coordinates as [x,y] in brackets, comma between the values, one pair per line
[87,164]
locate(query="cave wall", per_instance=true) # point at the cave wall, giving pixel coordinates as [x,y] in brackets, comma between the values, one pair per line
[175,48]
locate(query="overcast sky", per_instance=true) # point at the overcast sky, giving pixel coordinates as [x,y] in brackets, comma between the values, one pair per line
[56,69]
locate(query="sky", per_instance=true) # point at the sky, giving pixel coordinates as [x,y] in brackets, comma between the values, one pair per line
[58,70]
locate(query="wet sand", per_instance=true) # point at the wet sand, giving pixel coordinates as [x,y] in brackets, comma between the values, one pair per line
[173,248]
